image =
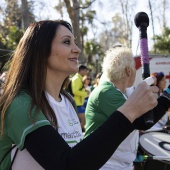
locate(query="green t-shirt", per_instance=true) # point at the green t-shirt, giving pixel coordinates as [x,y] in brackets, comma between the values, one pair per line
[103,101]
[101,104]
[18,125]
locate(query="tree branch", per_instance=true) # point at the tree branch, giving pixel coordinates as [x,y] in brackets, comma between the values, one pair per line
[84,7]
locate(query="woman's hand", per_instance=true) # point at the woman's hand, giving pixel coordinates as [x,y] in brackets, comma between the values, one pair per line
[140,101]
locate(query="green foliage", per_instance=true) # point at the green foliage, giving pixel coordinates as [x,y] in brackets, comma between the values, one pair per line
[162,42]
[92,48]
[11,24]
[13,37]
[11,40]
[90,16]
[8,43]
[84,30]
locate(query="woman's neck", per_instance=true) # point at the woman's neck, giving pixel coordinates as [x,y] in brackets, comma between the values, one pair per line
[53,85]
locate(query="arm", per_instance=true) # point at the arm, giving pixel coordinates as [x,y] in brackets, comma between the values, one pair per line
[159,111]
[51,151]
[96,149]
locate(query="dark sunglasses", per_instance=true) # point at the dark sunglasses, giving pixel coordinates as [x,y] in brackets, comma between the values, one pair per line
[88,78]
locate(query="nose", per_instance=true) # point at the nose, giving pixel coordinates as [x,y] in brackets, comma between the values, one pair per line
[76,49]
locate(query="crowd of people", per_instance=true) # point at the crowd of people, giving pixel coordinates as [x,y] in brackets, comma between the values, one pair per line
[94,127]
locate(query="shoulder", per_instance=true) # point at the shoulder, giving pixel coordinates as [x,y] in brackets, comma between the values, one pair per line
[106,92]
[22,99]
[21,119]
[20,112]
[106,88]
[77,77]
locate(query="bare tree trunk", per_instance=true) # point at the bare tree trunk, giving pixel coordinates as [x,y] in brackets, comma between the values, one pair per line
[124,18]
[25,13]
[73,11]
[150,7]
[127,10]
[163,15]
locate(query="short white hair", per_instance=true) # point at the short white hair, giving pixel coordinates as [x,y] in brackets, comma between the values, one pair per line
[116,60]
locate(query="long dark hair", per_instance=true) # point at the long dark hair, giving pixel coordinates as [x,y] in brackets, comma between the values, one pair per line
[28,68]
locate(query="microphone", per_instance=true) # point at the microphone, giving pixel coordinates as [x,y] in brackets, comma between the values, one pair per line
[142,22]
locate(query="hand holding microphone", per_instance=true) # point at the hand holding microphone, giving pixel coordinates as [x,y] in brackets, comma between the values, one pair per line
[150,80]
[144,99]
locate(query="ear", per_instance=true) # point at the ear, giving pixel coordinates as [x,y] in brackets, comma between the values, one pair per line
[128,71]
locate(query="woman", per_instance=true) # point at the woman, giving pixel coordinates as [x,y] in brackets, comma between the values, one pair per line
[119,71]
[161,84]
[161,81]
[97,79]
[37,114]
[87,86]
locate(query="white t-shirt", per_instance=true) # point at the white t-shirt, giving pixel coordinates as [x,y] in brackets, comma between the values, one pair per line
[125,154]
[68,127]
[68,123]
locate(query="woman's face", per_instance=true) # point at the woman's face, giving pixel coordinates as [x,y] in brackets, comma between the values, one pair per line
[64,53]
[162,84]
[88,80]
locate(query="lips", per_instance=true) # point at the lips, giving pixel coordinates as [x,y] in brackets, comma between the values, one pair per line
[73,59]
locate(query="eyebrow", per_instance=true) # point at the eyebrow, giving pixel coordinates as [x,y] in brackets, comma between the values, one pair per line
[68,36]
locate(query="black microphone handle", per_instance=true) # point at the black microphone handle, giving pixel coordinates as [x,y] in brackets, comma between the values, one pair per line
[142,21]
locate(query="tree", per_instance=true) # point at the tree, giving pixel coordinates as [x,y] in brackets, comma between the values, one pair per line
[74,14]
[128,9]
[75,10]
[12,26]
[158,12]
[122,23]
[151,13]
[92,48]
[113,33]
[162,42]
[27,15]
[9,25]
[59,7]
[12,14]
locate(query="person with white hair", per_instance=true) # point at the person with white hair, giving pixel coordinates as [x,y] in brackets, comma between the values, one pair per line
[118,74]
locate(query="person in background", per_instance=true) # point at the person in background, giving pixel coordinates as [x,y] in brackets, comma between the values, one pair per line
[119,73]
[87,85]
[97,79]
[161,81]
[39,125]
[161,84]
[159,126]
[80,93]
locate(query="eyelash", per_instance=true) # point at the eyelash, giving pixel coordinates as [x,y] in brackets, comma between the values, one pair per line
[67,41]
